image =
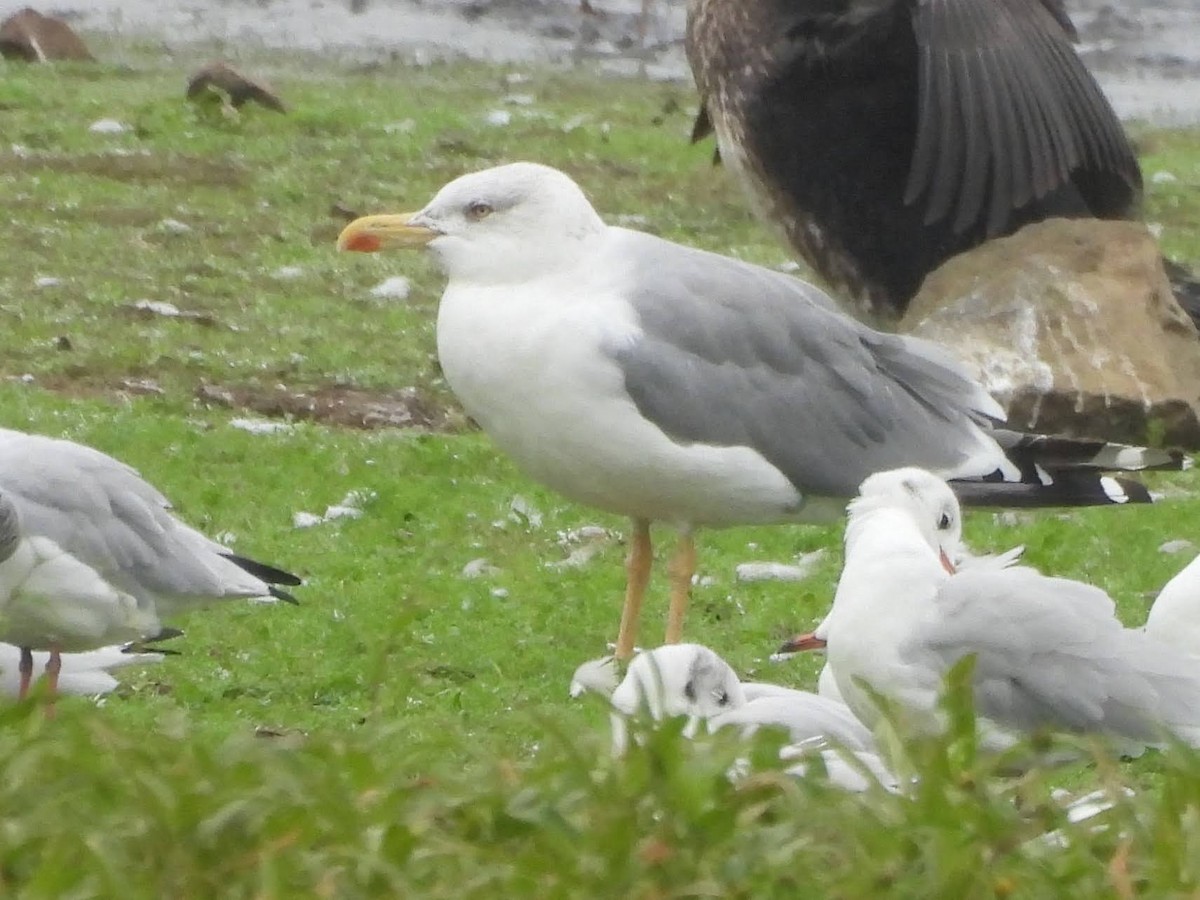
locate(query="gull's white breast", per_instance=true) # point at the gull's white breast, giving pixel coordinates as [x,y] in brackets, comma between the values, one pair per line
[526,362]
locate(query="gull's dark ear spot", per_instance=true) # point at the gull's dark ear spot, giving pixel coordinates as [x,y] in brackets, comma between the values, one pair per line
[911,486]
[689,690]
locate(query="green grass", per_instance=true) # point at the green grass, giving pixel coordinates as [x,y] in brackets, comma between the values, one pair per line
[406,732]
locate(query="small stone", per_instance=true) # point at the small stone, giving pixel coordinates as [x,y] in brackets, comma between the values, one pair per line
[158,307]
[395,288]
[174,226]
[498,117]
[774,571]
[260,426]
[478,568]
[288,273]
[305,520]
[1163,177]
[769,571]
[339,511]
[108,126]
[524,513]
[1176,546]
[47,281]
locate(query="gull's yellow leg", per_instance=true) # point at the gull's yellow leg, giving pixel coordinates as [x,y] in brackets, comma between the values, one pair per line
[53,667]
[25,667]
[681,570]
[637,576]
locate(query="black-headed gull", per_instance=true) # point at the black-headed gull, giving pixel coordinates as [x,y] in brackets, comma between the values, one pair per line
[82,674]
[665,383]
[1049,652]
[92,554]
[693,681]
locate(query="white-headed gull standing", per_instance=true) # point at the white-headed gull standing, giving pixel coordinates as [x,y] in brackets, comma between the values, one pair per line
[668,384]
[1050,652]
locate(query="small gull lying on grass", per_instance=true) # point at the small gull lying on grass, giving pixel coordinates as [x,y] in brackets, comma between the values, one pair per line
[666,383]
[92,554]
[693,681]
[1049,652]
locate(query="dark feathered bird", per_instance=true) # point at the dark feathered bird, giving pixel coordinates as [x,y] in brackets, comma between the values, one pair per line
[886,136]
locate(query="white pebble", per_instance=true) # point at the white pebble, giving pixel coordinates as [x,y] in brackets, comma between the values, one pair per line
[1163,177]
[305,520]
[524,513]
[108,126]
[158,307]
[769,571]
[1176,546]
[46,281]
[260,426]
[500,593]
[498,117]
[395,288]
[174,226]
[774,571]
[342,512]
[477,568]
[287,273]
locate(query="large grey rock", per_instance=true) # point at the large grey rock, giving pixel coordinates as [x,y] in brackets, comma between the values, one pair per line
[1073,327]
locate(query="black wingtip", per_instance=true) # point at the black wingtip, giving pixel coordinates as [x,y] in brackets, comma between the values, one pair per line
[280,594]
[1186,286]
[269,574]
[148,645]
[1068,489]
[702,127]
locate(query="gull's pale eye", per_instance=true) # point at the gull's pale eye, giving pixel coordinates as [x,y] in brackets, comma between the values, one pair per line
[478,210]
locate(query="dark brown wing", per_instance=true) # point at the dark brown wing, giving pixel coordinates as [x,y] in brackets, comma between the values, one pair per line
[1007,112]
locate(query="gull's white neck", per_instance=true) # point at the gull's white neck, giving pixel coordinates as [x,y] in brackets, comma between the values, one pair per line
[884,551]
[513,259]
[1175,616]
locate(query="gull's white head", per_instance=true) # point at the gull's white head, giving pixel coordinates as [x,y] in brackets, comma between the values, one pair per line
[679,680]
[923,497]
[505,224]
[675,680]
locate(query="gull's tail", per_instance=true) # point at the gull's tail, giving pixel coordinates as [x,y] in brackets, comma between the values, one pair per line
[1064,471]
[269,574]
